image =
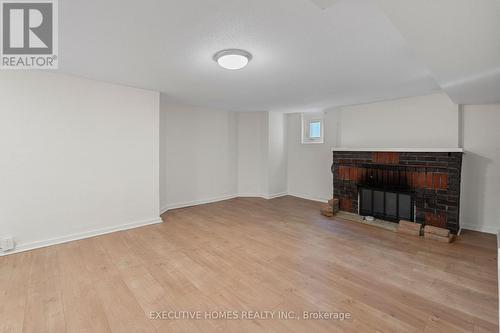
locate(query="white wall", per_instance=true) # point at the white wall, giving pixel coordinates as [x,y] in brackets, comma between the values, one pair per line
[210,155]
[426,121]
[252,153]
[78,157]
[262,154]
[277,154]
[198,155]
[309,173]
[480,208]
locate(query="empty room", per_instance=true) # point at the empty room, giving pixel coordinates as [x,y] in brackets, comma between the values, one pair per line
[249,166]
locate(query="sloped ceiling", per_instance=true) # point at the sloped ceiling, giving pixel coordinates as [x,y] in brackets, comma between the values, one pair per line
[459,41]
[307,54]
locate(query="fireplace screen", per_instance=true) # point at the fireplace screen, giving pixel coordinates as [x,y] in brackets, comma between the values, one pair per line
[387,205]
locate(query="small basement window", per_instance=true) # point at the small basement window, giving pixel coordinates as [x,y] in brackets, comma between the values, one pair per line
[312,128]
[315,130]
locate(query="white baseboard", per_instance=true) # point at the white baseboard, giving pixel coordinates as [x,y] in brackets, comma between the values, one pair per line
[276,195]
[107,230]
[78,236]
[221,198]
[251,195]
[260,195]
[197,202]
[481,228]
[308,197]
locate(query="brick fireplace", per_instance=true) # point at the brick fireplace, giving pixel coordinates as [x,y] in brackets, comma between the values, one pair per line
[428,179]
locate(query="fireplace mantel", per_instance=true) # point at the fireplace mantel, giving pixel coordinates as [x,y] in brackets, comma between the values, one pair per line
[405,150]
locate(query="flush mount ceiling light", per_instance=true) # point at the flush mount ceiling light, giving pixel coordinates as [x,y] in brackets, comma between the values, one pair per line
[233,58]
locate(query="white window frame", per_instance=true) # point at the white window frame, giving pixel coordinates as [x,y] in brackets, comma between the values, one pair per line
[307,119]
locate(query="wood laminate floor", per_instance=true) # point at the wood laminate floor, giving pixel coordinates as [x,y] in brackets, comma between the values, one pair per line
[246,255]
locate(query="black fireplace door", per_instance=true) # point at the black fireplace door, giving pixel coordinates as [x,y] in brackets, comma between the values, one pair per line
[386,205]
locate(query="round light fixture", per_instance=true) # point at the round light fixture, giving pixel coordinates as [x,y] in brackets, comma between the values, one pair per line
[233,58]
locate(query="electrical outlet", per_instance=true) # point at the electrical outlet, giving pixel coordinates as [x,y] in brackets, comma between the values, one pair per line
[7,244]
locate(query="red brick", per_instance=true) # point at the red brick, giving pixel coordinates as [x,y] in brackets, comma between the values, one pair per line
[421,179]
[347,171]
[409,179]
[346,204]
[395,158]
[363,174]
[359,174]
[437,181]
[428,182]
[441,222]
[436,220]
[353,173]
[385,157]
[342,172]
[444,181]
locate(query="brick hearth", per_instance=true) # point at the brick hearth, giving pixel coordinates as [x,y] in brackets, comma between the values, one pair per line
[433,178]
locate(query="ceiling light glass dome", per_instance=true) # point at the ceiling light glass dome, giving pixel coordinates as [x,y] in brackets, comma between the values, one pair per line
[233,58]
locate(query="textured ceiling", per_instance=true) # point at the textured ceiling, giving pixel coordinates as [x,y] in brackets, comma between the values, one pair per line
[305,57]
[324,4]
[459,40]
